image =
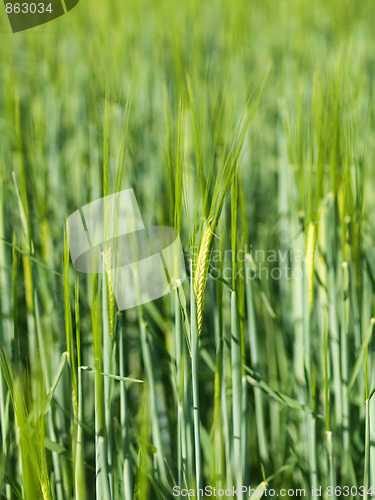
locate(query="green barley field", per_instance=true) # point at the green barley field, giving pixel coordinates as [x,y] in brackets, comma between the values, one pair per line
[249,127]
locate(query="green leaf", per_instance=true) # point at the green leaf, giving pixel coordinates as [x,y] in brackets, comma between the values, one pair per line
[64,357]
[361,354]
[116,377]
[256,381]
[259,491]
[53,446]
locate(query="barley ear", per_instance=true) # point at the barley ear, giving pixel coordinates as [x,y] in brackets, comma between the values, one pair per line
[201,271]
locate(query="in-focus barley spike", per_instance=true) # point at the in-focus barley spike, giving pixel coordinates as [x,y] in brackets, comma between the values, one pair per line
[201,271]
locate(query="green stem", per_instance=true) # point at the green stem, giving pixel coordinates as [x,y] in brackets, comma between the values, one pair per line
[156,432]
[236,392]
[254,357]
[124,412]
[195,383]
